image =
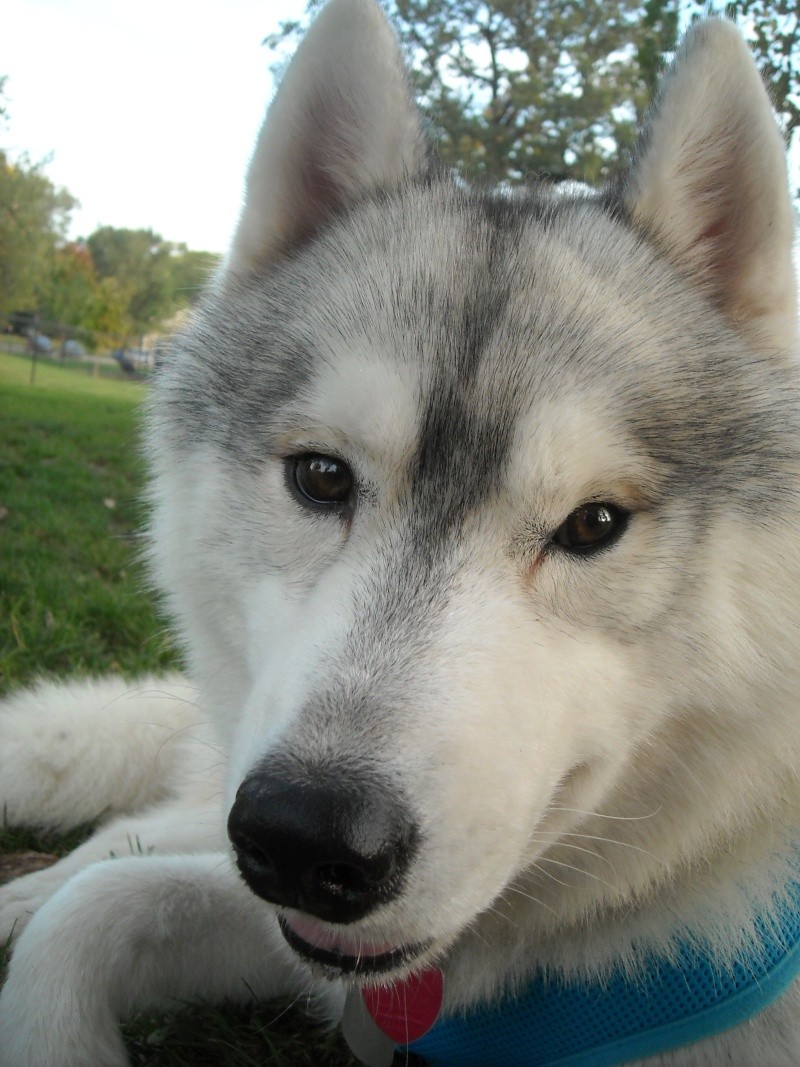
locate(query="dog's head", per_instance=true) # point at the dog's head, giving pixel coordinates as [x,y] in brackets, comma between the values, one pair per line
[466,504]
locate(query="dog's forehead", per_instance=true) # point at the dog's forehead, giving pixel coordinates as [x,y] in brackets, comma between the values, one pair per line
[551,325]
[442,333]
[431,328]
[405,317]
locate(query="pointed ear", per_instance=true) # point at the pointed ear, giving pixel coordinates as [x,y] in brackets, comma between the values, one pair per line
[342,123]
[709,182]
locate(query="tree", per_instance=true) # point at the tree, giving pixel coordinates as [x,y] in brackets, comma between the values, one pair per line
[139,260]
[34,216]
[156,277]
[773,30]
[512,87]
[657,37]
[67,292]
[71,295]
[110,317]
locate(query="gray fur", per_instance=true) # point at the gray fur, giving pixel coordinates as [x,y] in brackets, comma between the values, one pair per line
[502,335]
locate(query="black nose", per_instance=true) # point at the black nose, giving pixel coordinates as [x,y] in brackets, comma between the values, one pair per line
[333,847]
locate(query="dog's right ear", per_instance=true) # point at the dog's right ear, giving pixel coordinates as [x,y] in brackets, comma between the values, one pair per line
[343,123]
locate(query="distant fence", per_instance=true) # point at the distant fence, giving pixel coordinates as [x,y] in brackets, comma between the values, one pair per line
[94,364]
[27,334]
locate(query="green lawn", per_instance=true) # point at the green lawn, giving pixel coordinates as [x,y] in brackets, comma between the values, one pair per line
[71,590]
[73,599]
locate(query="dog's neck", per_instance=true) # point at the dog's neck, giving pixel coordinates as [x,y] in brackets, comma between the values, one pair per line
[704,952]
[668,1001]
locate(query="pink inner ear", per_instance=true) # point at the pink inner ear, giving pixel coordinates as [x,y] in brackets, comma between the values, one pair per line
[716,229]
[714,246]
[318,199]
[328,136]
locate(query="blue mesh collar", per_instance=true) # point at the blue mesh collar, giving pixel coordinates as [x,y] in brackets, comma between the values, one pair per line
[673,1003]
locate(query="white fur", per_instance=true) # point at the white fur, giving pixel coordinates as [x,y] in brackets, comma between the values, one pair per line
[138,739]
[594,769]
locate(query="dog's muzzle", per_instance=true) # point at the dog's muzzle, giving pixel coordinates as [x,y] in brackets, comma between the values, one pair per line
[330,845]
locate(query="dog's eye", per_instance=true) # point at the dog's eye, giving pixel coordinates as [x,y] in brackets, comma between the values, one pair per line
[590,528]
[322,481]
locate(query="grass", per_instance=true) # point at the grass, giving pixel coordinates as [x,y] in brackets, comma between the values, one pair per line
[73,600]
[71,597]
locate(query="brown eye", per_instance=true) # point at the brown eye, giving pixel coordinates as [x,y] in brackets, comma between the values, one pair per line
[590,528]
[320,481]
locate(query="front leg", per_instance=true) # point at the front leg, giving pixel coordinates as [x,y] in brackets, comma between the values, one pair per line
[173,828]
[132,933]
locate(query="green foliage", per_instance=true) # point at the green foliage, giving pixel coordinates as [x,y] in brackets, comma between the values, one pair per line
[156,278]
[773,29]
[71,296]
[657,36]
[206,1035]
[34,216]
[110,317]
[28,839]
[190,271]
[514,87]
[118,284]
[519,87]
[67,291]
[72,594]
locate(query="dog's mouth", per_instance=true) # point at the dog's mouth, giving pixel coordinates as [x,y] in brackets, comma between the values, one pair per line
[346,955]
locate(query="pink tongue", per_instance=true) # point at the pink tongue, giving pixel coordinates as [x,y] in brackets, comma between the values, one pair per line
[406,1010]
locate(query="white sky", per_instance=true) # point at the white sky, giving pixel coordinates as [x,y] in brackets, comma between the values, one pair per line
[149,108]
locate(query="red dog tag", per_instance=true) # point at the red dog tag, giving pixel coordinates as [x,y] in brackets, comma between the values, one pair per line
[406,1010]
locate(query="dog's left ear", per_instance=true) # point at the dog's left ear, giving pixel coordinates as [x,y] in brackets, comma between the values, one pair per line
[709,183]
[342,124]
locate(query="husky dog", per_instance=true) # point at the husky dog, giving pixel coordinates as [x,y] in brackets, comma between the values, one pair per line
[478,517]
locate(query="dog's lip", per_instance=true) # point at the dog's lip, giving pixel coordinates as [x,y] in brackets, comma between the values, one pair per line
[344,953]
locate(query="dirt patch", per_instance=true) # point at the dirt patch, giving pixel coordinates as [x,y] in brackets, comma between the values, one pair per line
[15,864]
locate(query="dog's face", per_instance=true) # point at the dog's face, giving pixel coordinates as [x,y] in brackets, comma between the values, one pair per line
[441,477]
